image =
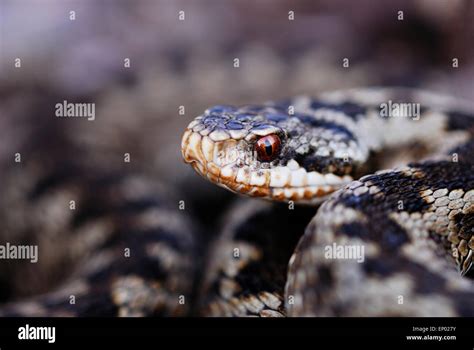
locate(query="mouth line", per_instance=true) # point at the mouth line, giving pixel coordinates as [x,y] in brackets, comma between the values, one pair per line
[308,193]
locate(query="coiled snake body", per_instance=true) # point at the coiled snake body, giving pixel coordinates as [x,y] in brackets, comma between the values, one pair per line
[412,224]
[392,171]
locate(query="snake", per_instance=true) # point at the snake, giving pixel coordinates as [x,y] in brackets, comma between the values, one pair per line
[366,209]
[391,173]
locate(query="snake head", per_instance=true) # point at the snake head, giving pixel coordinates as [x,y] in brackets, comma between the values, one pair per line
[263,151]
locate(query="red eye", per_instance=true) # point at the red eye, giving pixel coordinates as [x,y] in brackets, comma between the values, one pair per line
[268,147]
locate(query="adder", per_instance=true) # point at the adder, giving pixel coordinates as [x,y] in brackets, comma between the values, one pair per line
[392,190]
[399,185]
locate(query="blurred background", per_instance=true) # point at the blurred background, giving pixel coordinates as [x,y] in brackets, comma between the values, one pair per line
[76,51]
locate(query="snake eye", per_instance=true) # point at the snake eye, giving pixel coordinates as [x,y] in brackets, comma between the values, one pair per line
[268,147]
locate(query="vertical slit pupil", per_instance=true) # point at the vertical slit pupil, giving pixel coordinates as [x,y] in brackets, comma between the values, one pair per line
[268,147]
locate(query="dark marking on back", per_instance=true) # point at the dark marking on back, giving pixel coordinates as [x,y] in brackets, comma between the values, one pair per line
[325,165]
[389,236]
[460,121]
[464,153]
[324,124]
[351,109]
